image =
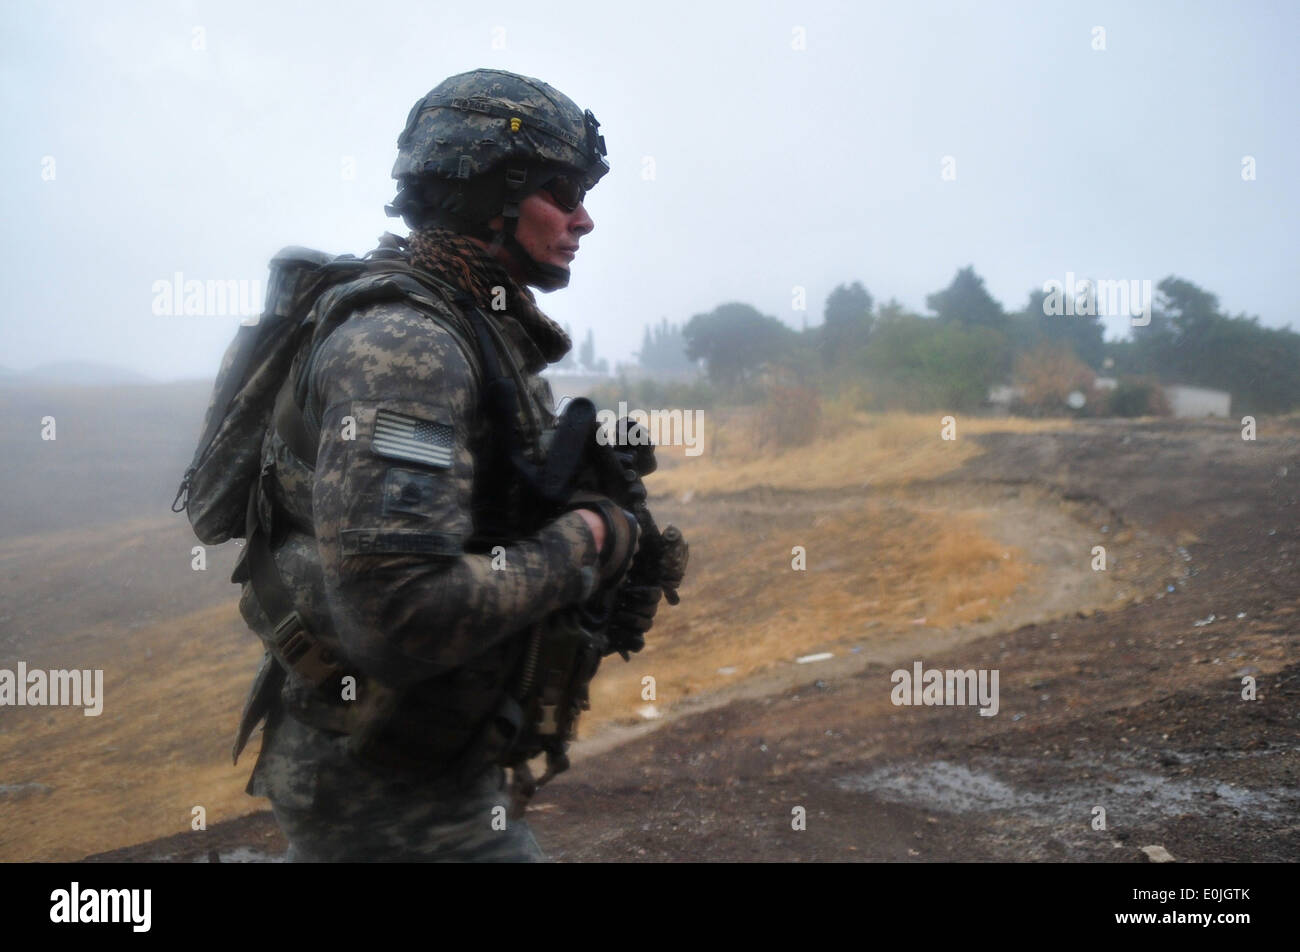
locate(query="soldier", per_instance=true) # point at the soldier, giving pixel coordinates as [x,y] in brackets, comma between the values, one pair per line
[425,586]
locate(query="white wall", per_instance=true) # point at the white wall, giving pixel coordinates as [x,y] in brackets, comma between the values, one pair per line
[1198,401]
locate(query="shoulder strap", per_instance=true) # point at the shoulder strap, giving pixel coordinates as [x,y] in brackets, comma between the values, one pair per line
[388,280]
[289,642]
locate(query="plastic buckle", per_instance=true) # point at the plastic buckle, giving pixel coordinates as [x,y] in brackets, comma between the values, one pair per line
[291,640]
[548,724]
[299,652]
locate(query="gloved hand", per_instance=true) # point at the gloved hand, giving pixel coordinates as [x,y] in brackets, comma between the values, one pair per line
[633,615]
[637,456]
[621,534]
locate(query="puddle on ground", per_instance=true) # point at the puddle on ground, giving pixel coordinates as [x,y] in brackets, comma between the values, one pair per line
[1137,795]
[952,788]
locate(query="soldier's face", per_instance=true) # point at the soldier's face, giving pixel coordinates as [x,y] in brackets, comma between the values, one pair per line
[548,232]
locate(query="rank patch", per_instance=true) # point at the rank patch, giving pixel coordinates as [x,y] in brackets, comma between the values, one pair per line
[399,436]
[409,491]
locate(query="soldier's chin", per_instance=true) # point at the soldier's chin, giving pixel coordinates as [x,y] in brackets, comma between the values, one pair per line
[552,280]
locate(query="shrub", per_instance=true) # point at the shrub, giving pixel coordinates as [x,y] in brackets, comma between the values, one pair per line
[1137,396]
[791,416]
[915,363]
[1048,375]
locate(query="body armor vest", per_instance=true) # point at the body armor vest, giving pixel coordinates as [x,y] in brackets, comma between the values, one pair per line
[465,720]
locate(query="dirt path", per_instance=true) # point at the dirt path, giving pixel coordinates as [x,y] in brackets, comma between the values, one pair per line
[1135,708]
[1137,711]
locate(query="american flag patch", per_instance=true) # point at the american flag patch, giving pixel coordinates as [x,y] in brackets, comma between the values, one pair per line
[398,436]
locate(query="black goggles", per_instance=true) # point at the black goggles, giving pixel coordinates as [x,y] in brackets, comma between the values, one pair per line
[566,190]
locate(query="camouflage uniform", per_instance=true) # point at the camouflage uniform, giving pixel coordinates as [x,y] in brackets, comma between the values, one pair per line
[396,581]
[333,809]
[389,546]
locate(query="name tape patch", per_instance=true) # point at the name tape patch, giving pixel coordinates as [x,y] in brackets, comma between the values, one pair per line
[400,542]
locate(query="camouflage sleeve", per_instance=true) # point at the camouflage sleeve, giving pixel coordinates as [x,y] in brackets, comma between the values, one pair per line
[392,506]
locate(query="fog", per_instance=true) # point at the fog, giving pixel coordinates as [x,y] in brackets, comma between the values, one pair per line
[755,150]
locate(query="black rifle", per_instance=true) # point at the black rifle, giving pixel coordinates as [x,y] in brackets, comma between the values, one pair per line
[583,457]
[563,655]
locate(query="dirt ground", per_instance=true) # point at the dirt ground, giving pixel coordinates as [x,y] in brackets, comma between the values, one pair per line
[1132,703]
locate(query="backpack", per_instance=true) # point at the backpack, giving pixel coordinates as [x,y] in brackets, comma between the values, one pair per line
[252,390]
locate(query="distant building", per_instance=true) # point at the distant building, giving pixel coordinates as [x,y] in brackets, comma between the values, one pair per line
[1198,402]
[1002,396]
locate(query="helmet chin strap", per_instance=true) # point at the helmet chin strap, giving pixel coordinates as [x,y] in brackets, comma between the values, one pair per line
[546,277]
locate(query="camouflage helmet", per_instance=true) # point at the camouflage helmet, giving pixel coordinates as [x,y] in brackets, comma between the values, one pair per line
[475,122]
[479,143]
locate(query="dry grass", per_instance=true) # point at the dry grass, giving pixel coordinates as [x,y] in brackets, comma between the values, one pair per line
[172,694]
[872,572]
[855,450]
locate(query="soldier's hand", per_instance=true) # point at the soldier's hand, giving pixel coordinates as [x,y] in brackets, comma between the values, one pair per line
[634,448]
[636,458]
[595,524]
[633,615]
[621,531]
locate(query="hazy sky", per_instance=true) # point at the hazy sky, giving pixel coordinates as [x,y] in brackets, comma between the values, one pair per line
[147,139]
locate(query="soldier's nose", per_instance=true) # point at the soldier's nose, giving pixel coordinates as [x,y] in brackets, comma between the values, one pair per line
[582,222]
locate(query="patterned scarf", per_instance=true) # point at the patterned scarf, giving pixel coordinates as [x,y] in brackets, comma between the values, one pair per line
[460,261]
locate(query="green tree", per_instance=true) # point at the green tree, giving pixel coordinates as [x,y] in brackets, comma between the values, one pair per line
[1190,341]
[663,348]
[1032,328]
[891,310]
[1193,311]
[964,301]
[735,339]
[919,363]
[847,323]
